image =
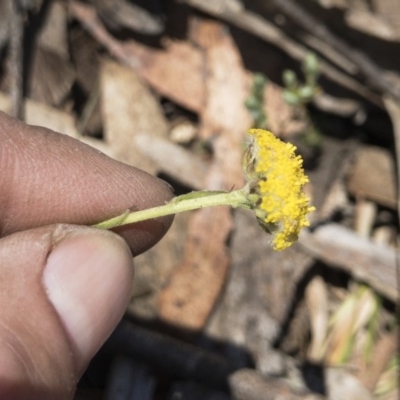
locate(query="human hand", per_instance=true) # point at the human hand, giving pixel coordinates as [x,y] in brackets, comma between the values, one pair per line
[63,288]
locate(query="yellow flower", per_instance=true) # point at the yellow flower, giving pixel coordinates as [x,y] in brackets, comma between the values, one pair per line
[277,181]
[274,191]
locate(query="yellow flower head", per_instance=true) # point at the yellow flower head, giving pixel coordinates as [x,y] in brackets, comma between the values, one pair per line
[276,178]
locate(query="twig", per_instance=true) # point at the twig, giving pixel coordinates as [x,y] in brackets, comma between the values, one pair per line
[178,358]
[370,70]
[16,59]
[364,260]
[122,13]
[88,18]
[260,27]
[393,108]
[189,362]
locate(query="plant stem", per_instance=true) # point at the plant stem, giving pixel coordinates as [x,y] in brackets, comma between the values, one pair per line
[186,202]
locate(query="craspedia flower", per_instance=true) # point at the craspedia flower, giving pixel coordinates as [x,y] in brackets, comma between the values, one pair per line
[274,191]
[276,183]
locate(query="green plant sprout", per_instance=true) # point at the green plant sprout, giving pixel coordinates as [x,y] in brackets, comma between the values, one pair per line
[298,94]
[274,190]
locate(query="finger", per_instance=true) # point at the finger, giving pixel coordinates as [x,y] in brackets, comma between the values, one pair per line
[65,288]
[51,178]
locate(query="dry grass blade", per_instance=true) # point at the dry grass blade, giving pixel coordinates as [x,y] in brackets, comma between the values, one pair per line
[361,258]
[316,298]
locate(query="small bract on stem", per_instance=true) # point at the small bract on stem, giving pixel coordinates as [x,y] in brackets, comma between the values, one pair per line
[274,191]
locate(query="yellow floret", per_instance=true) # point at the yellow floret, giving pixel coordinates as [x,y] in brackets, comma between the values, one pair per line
[280,183]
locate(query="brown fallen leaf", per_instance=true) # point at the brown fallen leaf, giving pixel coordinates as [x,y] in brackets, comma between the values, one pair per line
[51,77]
[189,296]
[178,71]
[153,269]
[53,31]
[175,72]
[195,285]
[129,109]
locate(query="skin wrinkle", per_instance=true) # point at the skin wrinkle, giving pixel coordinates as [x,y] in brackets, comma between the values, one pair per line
[16,165]
[6,163]
[22,355]
[101,170]
[25,355]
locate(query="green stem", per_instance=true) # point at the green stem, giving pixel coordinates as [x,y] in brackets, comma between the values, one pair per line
[186,202]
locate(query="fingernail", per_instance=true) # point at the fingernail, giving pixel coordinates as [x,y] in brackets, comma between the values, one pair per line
[88,278]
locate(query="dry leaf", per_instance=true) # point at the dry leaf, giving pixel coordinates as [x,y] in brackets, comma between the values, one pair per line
[196,284]
[176,72]
[129,109]
[43,115]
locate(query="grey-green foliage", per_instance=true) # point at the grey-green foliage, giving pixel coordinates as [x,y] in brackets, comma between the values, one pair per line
[299,93]
[255,102]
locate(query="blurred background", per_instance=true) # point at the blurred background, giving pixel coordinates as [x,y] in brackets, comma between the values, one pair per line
[171,87]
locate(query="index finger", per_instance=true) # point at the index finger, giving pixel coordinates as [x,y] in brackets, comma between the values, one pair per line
[49,178]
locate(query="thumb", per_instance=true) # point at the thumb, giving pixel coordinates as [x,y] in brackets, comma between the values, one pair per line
[63,289]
